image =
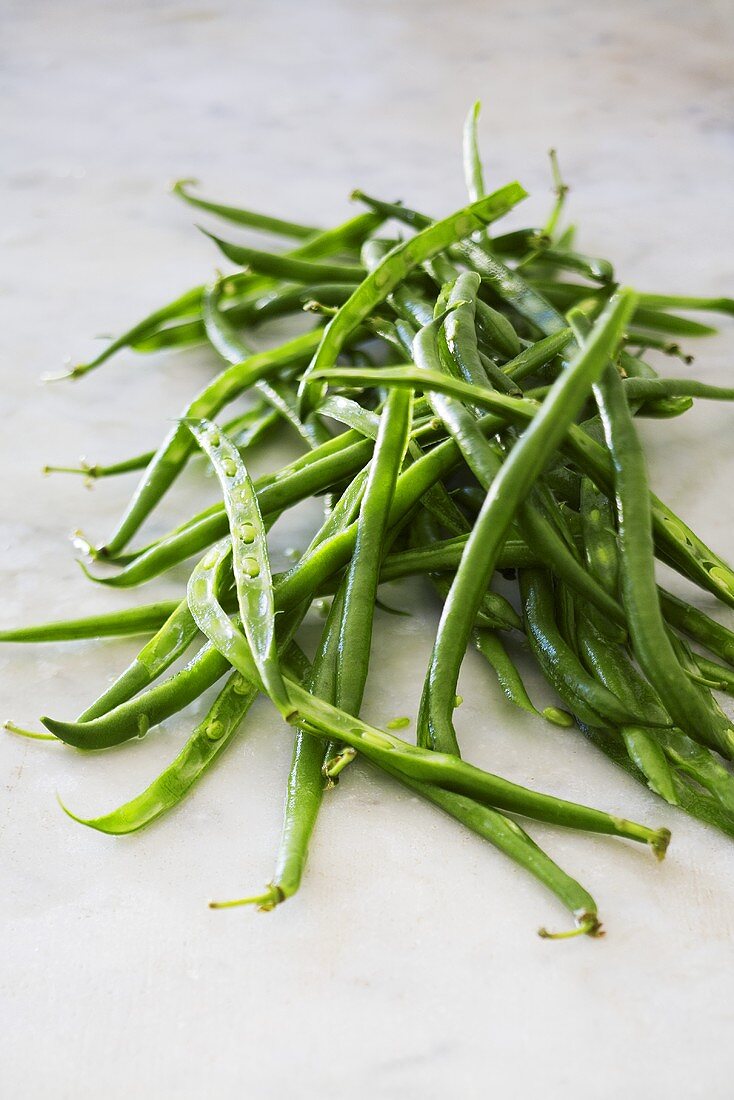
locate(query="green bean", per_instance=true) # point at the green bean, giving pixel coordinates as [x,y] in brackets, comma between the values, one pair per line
[681,301]
[250,561]
[275,302]
[490,646]
[397,265]
[670,323]
[650,640]
[607,661]
[135,717]
[702,628]
[485,465]
[589,699]
[644,340]
[328,722]
[273,482]
[244,217]
[444,555]
[115,624]
[285,267]
[508,285]
[473,173]
[495,613]
[516,477]
[205,744]
[565,295]
[500,831]
[328,242]
[591,267]
[701,765]
[93,471]
[459,328]
[641,389]
[316,242]
[497,331]
[362,577]
[635,367]
[507,836]
[247,429]
[304,792]
[351,415]
[560,190]
[600,540]
[537,355]
[170,642]
[718,675]
[186,305]
[645,751]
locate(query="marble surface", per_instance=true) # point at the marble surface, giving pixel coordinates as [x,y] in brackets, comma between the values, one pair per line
[408,966]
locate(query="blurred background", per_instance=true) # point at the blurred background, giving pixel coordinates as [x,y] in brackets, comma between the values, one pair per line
[408,966]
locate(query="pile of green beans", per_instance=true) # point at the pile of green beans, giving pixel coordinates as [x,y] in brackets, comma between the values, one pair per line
[464,411]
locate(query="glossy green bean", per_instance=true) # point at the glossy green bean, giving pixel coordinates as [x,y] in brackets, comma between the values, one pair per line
[250,560]
[642,389]
[682,301]
[169,643]
[599,537]
[363,571]
[650,640]
[239,216]
[586,696]
[135,717]
[114,624]
[473,173]
[508,837]
[537,355]
[285,267]
[698,625]
[444,555]
[209,738]
[489,644]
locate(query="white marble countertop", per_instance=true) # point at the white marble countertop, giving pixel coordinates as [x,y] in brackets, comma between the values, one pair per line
[408,966]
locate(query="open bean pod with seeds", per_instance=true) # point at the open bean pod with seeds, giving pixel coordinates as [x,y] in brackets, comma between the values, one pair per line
[466,402]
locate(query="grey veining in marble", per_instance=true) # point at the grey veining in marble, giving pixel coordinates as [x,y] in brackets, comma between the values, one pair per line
[408,966]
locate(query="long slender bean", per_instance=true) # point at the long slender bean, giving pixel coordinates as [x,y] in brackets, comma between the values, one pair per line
[205,744]
[650,639]
[509,488]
